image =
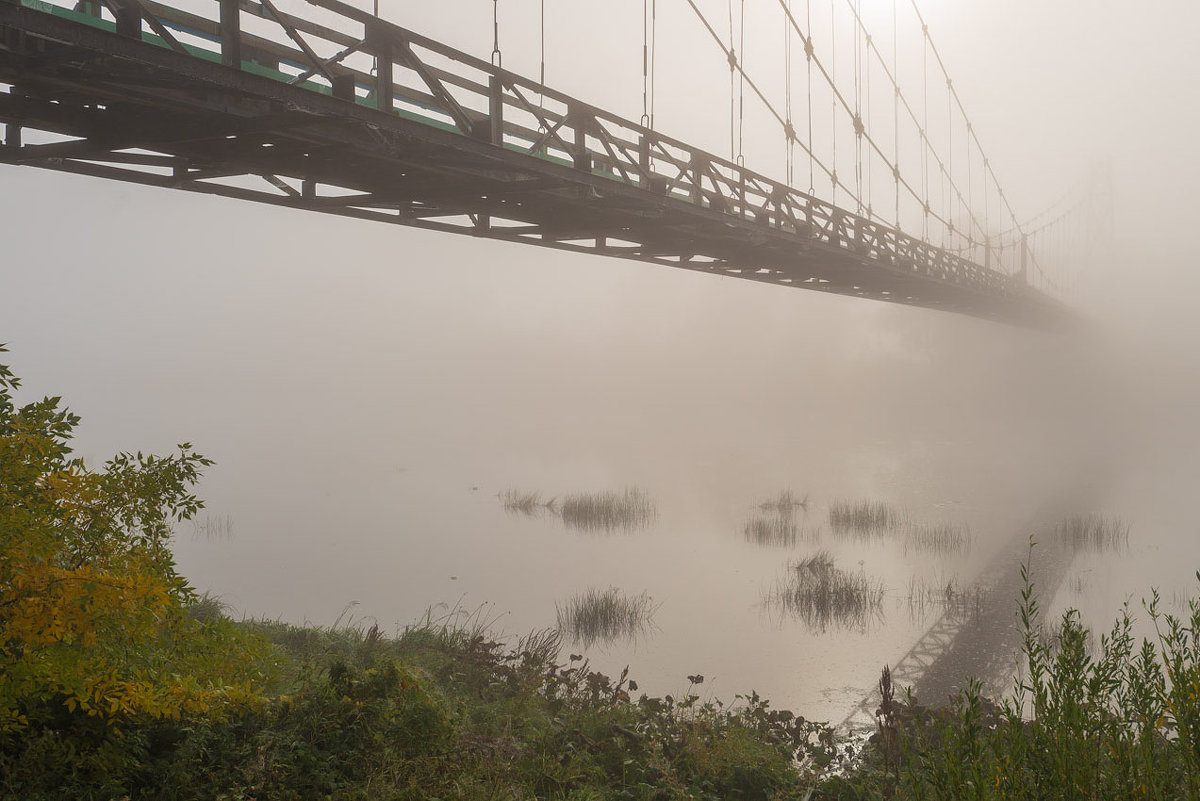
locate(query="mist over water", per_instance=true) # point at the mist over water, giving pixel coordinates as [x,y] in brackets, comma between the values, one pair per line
[368,393]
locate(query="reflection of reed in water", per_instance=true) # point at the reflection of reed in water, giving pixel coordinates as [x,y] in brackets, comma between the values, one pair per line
[862,518]
[823,595]
[781,530]
[1094,532]
[937,538]
[627,510]
[605,615]
[213,527]
[936,597]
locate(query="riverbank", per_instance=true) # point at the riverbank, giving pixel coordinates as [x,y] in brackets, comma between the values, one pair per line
[442,710]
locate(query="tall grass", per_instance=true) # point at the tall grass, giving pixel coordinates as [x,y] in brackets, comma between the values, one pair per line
[821,594]
[206,607]
[1094,532]
[862,518]
[627,510]
[607,615]
[937,538]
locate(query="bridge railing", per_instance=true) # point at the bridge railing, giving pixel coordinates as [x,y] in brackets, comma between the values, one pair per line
[355,56]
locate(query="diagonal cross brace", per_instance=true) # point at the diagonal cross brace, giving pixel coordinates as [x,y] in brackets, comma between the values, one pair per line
[295,36]
[334,59]
[452,106]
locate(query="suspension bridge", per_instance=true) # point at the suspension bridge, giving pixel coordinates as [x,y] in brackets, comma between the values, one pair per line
[327,107]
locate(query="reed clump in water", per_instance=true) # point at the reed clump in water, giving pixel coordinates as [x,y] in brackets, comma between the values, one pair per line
[823,595]
[938,538]
[1094,532]
[627,510]
[597,615]
[862,518]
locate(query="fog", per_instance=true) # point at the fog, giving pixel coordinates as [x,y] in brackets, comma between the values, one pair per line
[367,390]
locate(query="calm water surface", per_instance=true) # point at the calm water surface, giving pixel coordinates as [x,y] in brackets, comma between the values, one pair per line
[396,540]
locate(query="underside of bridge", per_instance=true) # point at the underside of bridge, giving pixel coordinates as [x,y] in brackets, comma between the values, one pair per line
[117,95]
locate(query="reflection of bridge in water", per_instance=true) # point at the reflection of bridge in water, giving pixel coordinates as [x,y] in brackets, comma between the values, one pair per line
[980,638]
[358,117]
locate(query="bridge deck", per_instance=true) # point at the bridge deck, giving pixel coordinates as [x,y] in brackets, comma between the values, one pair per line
[365,119]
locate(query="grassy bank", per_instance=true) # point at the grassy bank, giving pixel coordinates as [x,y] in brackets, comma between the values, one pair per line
[441,710]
